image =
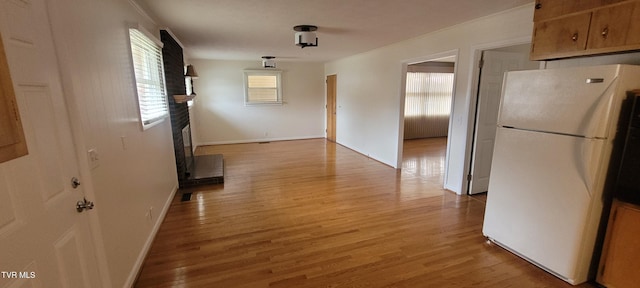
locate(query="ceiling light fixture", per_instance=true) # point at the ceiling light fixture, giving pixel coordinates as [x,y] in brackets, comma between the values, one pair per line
[268,62]
[306,37]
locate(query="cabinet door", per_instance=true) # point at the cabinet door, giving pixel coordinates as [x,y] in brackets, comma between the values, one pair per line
[622,255]
[12,143]
[547,9]
[560,37]
[615,26]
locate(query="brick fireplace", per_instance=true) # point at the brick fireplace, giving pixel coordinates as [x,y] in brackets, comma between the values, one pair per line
[192,170]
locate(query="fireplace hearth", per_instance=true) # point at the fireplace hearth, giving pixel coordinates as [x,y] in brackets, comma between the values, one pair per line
[200,169]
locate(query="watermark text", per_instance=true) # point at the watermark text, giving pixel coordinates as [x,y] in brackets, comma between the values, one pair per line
[17,274]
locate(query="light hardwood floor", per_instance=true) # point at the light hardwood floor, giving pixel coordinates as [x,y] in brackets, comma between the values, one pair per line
[311,213]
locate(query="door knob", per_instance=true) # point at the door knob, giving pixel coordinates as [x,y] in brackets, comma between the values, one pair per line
[75,182]
[84,205]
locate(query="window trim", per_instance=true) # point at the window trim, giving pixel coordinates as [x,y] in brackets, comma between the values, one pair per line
[148,123]
[277,73]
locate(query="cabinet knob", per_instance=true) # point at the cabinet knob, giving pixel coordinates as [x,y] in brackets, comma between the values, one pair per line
[538,6]
[574,37]
[605,32]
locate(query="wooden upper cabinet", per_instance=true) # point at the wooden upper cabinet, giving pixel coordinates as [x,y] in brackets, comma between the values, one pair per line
[615,26]
[561,35]
[12,141]
[568,28]
[547,9]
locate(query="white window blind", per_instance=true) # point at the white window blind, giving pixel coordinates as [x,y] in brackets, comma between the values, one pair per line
[149,75]
[262,87]
[427,104]
[428,94]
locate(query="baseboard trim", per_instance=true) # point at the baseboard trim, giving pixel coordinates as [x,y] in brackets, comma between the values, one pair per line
[137,267]
[368,156]
[243,141]
[456,190]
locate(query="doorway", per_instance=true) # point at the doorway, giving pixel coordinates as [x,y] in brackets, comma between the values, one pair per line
[494,63]
[428,94]
[428,98]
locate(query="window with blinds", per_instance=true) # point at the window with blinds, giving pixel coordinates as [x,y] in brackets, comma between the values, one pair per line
[427,104]
[262,87]
[149,76]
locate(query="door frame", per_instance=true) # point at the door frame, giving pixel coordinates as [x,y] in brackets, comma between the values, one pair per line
[403,87]
[474,81]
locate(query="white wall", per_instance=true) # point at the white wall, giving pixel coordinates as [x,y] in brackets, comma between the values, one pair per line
[221,117]
[370,84]
[137,168]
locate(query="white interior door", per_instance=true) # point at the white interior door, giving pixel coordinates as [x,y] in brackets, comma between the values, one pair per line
[496,63]
[44,240]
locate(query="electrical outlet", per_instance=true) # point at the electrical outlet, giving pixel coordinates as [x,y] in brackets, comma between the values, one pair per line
[94,160]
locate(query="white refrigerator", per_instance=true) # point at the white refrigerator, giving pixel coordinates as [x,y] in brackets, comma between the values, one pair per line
[554,139]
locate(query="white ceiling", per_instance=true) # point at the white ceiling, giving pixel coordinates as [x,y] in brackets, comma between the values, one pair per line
[250,29]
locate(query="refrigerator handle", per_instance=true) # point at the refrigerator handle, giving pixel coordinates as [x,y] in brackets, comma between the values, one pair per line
[585,159]
[602,107]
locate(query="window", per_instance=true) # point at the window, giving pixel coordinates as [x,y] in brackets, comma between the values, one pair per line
[146,53]
[427,104]
[428,94]
[262,87]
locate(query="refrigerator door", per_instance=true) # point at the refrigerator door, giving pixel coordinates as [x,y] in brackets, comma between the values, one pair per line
[540,197]
[573,101]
